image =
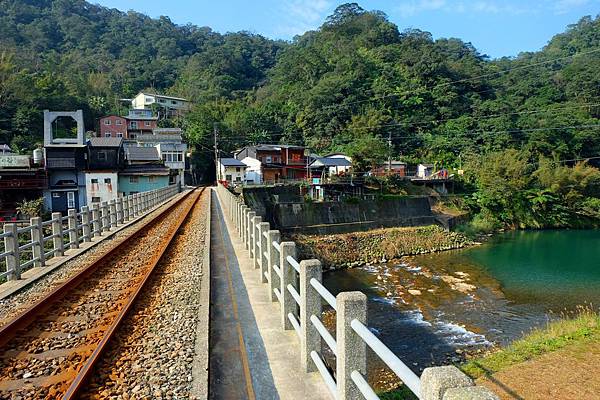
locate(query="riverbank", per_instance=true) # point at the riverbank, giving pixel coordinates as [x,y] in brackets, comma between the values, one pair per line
[349,250]
[559,361]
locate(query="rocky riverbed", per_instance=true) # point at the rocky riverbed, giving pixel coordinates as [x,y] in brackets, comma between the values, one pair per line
[349,250]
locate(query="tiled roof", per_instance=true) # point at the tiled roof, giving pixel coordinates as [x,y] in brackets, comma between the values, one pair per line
[106,141]
[231,162]
[142,154]
[331,162]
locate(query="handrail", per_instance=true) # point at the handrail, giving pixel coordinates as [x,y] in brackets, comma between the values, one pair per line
[68,231]
[325,294]
[409,378]
[329,381]
[350,308]
[363,386]
[324,333]
[292,261]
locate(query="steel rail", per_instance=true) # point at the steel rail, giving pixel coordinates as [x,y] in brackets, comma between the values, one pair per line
[85,371]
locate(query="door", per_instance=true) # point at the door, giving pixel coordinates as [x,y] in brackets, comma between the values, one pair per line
[71,200]
[59,202]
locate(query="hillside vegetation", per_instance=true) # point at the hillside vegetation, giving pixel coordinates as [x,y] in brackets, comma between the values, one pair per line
[513,123]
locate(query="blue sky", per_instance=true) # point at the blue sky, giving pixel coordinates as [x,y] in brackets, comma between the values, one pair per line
[495,27]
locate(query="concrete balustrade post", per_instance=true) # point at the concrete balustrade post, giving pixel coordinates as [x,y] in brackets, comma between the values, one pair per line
[86,229]
[105,216]
[120,214]
[57,231]
[96,221]
[11,245]
[263,228]
[351,349]
[288,276]
[255,253]
[273,259]
[129,209]
[112,207]
[249,216]
[237,217]
[243,224]
[37,237]
[310,304]
[73,230]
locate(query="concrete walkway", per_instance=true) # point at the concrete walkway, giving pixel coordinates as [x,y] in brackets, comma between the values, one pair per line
[251,357]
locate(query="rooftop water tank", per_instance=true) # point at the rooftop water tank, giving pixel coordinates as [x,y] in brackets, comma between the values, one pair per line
[38,156]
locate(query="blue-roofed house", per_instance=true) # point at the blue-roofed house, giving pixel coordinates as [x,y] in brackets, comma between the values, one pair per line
[232,170]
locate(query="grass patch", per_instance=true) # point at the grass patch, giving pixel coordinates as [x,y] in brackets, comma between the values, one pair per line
[584,327]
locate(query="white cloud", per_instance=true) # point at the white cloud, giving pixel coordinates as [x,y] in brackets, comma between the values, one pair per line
[413,7]
[299,16]
[409,8]
[564,6]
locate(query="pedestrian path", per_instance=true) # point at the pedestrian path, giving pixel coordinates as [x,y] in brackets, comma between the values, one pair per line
[251,357]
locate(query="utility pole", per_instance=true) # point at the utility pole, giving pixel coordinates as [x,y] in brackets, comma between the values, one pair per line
[216,135]
[390,152]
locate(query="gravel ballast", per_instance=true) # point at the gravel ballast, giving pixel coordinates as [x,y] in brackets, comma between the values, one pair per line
[152,354]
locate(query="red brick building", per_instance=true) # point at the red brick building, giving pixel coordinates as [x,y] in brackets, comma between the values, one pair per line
[136,123]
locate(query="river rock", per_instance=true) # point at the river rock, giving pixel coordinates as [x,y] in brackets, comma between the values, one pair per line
[414,292]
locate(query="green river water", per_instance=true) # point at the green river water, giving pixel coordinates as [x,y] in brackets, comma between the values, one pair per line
[511,284]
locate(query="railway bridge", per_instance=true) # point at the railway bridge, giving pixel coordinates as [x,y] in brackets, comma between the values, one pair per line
[183,294]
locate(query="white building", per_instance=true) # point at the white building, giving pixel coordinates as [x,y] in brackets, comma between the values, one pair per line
[424,170]
[253,170]
[232,170]
[170,147]
[101,186]
[171,105]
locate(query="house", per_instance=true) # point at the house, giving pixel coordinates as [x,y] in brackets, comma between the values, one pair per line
[424,171]
[394,168]
[167,105]
[277,162]
[20,179]
[333,166]
[171,149]
[65,161]
[143,171]
[232,170]
[105,158]
[137,122]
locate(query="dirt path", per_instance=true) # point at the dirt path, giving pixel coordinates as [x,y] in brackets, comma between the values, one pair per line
[572,373]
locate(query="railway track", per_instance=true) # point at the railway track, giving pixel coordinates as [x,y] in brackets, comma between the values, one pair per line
[49,350]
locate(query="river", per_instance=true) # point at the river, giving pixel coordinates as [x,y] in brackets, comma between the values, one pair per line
[432,309]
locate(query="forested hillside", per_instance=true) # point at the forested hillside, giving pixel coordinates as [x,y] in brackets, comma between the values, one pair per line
[348,86]
[67,54]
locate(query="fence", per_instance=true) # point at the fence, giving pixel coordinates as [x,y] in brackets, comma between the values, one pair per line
[32,245]
[297,287]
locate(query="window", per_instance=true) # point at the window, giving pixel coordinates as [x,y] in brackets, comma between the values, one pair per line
[119,122]
[238,179]
[133,125]
[268,159]
[149,99]
[107,122]
[228,178]
[237,169]
[173,102]
[133,179]
[132,135]
[56,195]
[96,199]
[161,100]
[94,181]
[70,199]
[119,134]
[146,123]
[102,156]
[107,181]
[151,179]
[108,134]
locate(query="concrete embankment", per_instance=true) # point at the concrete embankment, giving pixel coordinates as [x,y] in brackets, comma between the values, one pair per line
[379,245]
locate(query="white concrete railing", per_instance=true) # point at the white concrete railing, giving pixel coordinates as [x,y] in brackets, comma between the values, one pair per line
[47,239]
[296,286]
